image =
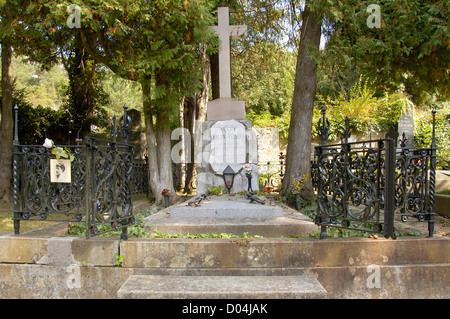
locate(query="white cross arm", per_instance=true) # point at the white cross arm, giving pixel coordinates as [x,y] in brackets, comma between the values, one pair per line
[237,31]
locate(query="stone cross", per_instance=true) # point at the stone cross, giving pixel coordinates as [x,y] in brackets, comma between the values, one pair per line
[225,31]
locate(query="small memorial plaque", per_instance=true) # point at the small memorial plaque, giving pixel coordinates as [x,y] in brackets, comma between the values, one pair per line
[60,171]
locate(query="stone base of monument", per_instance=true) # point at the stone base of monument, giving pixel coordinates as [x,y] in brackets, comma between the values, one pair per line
[231,214]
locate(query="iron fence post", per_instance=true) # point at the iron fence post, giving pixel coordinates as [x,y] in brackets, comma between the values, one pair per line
[89,187]
[324,127]
[389,188]
[432,178]
[16,178]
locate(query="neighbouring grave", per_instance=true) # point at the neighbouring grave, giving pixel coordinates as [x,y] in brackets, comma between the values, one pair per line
[406,126]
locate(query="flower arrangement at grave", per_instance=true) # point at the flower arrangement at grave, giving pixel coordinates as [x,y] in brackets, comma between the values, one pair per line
[248,170]
[59,152]
[166,194]
[249,175]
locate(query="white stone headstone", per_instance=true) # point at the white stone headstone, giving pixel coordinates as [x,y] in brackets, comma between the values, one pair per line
[228,145]
[224,143]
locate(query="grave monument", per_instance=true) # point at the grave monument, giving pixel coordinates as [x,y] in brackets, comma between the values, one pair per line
[406,127]
[226,138]
[227,142]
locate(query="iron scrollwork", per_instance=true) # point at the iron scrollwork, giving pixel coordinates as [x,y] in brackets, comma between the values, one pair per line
[110,187]
[379,179]
[35,197]
[102,184]
[348,192]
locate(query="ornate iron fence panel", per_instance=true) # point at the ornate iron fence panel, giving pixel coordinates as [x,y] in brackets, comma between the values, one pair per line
[36,197]
[349,187]
[371,186]
[140,176]
[415,184]
[109,187]
[98,181]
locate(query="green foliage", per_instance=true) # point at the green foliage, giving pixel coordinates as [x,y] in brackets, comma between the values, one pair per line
[423,132]
[119,259]
[120,91]
[86,96]
[136,230]
[366,111]
[61,152]
[37,86]
[158,234]
[411,45]
[219,190]
[263,76]
[298,183]
[152,42]
[287,197]
[35,123]
[266,119]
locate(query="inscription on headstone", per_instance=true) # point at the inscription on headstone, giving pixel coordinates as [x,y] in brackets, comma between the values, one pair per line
[224,143]
[228,144]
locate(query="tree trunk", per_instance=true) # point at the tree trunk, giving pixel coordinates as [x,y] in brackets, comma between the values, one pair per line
[6,134]
[197,116]
[190,110]
[181,169]
[298,157]
[159,151]
[82,88]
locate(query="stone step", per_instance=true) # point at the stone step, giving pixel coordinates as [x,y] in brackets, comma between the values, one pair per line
[272,228]
[232,214]
[221,287]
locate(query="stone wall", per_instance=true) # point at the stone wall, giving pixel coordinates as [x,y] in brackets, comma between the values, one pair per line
[70,267]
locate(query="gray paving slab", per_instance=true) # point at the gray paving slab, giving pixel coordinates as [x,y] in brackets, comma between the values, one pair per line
[225,207]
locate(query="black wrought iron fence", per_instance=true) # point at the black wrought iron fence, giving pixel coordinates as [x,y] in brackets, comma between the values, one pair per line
[367,185]
[97,183]
[350,191]
[140,176]
[36,197]
[415,180]
[109,188]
